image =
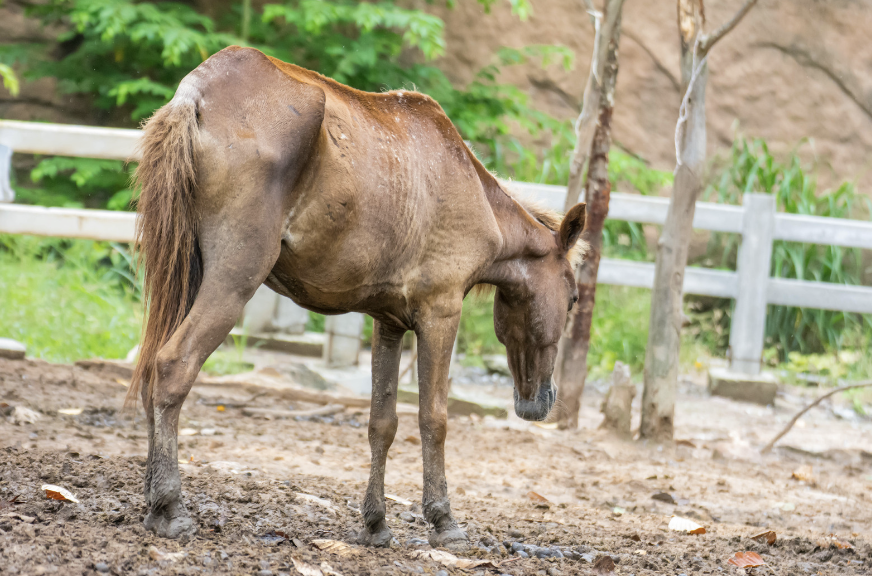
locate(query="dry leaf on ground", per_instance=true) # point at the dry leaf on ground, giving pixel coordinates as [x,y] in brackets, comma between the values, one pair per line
[768,537]
[4,504]
[604,565]
[398,499]
[804,473]
[59,493]
[679,524]
[323,503]
[449,559]
[833,541]
[539,500]
[328,571]
[22,415]
[334,547]
[306,569]
[159,555]
[70,411]
[17,516]
[746,560]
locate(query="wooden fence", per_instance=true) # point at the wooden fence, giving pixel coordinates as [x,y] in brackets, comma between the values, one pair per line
[750,285]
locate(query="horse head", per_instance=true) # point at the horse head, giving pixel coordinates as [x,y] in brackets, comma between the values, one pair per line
[530,311]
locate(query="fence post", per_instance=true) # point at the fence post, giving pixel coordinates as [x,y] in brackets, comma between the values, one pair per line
[7,194]
[748,326]
[343,339]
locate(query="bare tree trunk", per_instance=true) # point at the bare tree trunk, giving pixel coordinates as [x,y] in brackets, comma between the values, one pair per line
[573,348]
[585,125]
[664,333]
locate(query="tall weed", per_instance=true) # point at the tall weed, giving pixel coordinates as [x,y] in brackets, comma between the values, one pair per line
[753,168]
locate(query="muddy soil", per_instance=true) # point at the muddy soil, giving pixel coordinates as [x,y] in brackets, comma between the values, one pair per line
[250,483]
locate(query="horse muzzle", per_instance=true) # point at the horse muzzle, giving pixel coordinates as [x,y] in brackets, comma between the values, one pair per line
[538,408]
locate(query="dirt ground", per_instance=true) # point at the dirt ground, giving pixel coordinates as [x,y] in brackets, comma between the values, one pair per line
[249,483]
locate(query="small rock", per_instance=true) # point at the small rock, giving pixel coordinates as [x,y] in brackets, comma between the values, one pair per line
[416,542]
[407,516]
[514,533]
[264,572]
[12,349]
[101,567]
[663,497]
[522,554]
[442,573]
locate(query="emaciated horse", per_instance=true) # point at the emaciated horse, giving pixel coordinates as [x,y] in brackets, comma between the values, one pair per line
[258,171]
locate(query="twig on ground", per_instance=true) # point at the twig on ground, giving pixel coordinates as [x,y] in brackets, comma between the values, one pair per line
[864,384]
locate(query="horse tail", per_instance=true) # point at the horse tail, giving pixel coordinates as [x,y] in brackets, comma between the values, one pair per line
[166,245]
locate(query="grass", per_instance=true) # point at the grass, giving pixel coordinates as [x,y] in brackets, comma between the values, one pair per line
[69,307]
[751,167]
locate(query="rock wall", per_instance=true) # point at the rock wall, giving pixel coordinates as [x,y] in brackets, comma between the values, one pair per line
[793,69]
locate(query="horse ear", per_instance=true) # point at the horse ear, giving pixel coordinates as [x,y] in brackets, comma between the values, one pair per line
[571,227]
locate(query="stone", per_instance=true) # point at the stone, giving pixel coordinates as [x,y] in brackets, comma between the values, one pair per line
[101,567]
[759,389]
[11,349]
[618,403]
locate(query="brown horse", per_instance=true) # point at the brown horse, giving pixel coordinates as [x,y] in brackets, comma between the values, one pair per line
[260,172]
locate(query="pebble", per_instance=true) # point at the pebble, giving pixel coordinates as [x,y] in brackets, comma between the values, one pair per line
[442,573]
[416,542]
[522,554]
[515,533]
[101,567]
[407,516]
[264,573]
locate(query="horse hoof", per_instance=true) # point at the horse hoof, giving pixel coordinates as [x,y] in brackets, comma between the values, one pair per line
[178,527]
[378,539]
[454,539]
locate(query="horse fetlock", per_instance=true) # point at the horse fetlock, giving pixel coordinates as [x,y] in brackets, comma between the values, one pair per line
[377,535]
[170,521]
[452,538]
[373,513]
[438,514]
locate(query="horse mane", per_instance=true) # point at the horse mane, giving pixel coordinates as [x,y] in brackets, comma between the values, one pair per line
[549,218]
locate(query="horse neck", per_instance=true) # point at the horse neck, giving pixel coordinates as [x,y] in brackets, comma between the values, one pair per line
[522,238]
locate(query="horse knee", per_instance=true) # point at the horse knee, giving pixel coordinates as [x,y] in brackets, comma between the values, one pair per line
[434,427]
[383,428]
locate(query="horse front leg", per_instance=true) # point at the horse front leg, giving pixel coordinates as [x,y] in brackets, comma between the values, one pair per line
[436,334]
[387,346]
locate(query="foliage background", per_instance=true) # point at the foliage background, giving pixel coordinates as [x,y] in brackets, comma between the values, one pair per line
[127,57]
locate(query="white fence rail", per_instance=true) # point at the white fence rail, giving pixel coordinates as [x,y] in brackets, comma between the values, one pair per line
[751,287]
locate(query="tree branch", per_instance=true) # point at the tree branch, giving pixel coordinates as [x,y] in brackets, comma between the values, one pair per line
[711,39]
[799,414]
[657,63]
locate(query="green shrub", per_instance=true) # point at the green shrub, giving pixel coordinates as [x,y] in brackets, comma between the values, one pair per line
[68,300]
[753,168]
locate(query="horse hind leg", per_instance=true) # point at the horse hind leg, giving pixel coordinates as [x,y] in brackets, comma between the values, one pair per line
[234,266]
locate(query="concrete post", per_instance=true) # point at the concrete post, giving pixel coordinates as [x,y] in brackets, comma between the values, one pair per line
[7,194]
[290,318]
[748,326]
[343,339]
[257,316]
